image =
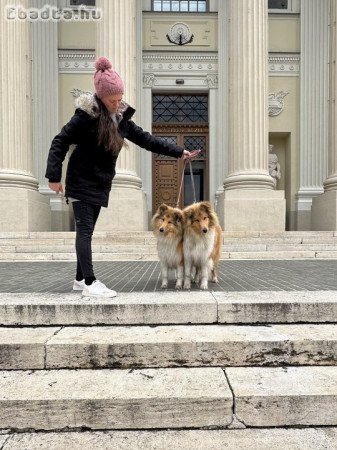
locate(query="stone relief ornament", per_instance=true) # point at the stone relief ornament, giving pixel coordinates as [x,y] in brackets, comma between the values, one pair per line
[148,79]
[77,92]
[180,34]
[276,102]
[212,80]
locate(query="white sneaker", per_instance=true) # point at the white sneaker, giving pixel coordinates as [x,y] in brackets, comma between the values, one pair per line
[78,285]
[98,289]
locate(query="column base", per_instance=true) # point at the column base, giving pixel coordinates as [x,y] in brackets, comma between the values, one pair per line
[303,207]
[23,210]
[324,212]
[302,221]
[62,216]
[127,211]
[252,210]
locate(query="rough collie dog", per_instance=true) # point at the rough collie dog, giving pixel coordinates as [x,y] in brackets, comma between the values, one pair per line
[202,244]
[167,225]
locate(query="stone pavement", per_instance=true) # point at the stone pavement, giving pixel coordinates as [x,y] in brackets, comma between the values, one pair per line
[144,276]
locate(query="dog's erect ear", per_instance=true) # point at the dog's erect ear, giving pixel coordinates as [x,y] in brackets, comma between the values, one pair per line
[206,206]
[162,208]
[178,217]
[188,214]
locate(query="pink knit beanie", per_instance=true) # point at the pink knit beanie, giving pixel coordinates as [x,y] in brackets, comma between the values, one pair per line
[107,81]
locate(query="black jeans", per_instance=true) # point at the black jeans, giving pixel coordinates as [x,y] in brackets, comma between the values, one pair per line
[86,216]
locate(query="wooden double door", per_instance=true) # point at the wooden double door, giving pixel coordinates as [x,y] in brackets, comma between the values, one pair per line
[167,172]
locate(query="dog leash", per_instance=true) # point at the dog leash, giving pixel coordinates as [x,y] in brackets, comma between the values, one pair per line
[182,182]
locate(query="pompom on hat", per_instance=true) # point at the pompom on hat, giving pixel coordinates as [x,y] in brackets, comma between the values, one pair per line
[107,81]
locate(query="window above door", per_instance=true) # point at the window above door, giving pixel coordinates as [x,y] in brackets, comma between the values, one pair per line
[180,5]
[180,108]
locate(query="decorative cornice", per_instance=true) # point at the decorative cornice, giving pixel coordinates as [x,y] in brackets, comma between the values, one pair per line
[179,63]
[281,64]
[76,61]
[162,57]
[83,61]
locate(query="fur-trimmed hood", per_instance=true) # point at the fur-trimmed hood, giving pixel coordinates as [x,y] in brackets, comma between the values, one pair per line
[87,102]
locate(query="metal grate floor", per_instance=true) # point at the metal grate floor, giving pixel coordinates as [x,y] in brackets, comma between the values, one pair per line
[144,276]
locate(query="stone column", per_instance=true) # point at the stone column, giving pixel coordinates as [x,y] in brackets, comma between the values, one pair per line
[221,145]
[22,207]
[324,206]
[116,39]
[250,201]
[45,108]
[314,80]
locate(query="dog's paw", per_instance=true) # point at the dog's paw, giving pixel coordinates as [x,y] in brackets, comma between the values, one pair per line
[187,284]
[204,285]
[214,279]
[164,285]
[178,286]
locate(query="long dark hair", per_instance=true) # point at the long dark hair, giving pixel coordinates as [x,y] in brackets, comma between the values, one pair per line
[108,134]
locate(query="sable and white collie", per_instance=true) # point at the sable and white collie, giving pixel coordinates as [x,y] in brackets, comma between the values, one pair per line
[168,227]
[202,244]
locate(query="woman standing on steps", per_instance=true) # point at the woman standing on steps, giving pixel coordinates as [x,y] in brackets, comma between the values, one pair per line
[98,128]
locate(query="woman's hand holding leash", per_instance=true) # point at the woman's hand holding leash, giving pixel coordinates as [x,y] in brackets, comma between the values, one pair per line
[190,155]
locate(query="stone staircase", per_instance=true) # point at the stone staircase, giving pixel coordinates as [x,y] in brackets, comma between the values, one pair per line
[169,370]
[123,246]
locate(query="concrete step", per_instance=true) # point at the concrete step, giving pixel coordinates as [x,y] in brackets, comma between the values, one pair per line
[143,256]
[69,248]
[125,246]
[114,399]
[164,308]
[32,247]
[168,398]
[167,346]
[41,256]
[253,439]
[287,396]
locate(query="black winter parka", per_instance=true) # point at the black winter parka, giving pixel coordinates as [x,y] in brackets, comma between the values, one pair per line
[91,168]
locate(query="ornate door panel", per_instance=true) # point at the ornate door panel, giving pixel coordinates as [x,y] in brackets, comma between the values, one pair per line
[167,172]
[165,177]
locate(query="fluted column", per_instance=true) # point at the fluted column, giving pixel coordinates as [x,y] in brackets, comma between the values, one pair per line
[116,39]
[16,158]
[18,185]
[221,159]
[250,201]
[314,81]
[324,207]
[45,108]
[248,87]
[45,90]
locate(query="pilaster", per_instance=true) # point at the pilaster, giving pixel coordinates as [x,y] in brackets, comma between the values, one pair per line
[324,207]
[314,79]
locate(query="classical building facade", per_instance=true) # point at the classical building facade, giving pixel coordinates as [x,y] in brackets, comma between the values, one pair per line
[231,77]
